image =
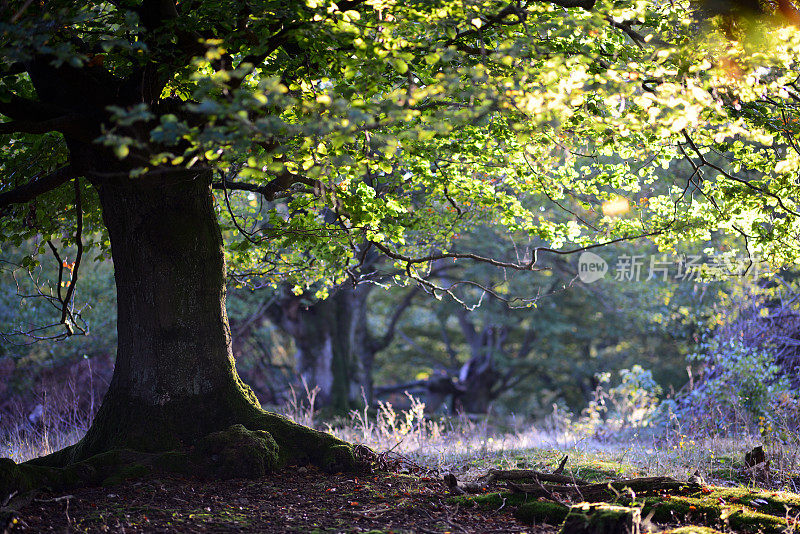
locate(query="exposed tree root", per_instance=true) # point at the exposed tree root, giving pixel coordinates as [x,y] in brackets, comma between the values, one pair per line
[264,444]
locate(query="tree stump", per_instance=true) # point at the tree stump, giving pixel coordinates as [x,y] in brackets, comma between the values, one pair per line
[601,518]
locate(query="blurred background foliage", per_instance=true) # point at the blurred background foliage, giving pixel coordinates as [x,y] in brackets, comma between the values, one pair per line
[504,356]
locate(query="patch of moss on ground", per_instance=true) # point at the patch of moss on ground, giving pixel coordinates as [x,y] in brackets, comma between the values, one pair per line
[536,512]
[771,502]
[221,516]
[527,511]
[737,509]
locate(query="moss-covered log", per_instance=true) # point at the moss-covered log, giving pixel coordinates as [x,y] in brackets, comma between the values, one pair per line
[605,490]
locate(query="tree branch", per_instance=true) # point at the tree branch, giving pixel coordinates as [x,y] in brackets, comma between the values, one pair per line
[254,60]
[492,20]
[66,310]
[704,161]
[66,124]
[26,193]
[526,266]
[585,4]
[269,190]
[26,109]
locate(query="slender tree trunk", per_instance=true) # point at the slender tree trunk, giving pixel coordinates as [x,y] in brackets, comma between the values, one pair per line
[478,377]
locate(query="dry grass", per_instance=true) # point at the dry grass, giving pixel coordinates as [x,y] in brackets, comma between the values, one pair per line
[56,422]
[468,446]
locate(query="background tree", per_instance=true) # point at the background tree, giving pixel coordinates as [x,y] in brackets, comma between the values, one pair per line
[530,358]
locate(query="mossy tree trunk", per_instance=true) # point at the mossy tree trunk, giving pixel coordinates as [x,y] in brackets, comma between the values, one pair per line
[175,378]
[175,381]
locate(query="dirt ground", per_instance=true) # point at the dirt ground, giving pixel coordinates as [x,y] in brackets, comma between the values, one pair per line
[298,500]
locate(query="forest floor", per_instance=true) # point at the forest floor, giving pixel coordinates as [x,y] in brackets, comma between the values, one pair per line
[413,497]
[293,500]
[411,500]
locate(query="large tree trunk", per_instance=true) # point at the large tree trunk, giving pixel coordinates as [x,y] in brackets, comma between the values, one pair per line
[175,380]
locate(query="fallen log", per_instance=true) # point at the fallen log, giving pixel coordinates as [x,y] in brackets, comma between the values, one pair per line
[604,490]
[521,474]
[460,488]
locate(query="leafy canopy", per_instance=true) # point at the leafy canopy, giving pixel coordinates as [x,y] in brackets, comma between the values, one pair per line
[331,128]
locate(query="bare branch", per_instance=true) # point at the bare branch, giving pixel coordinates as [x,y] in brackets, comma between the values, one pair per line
[526,266]
[269,190]
[66,310]
[66,304]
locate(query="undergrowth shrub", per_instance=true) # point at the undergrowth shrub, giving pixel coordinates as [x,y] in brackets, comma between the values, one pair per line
[629,405]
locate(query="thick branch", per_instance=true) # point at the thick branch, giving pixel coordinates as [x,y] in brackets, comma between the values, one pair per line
[585,4]
[254,60]
[30,110]
[66,124]
[34,188]
[269,190]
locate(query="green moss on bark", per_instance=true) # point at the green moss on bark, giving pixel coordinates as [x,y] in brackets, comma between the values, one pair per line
[173,462]
[300,444]
[176,424]
[601,518]
[266,443]
[236,452]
